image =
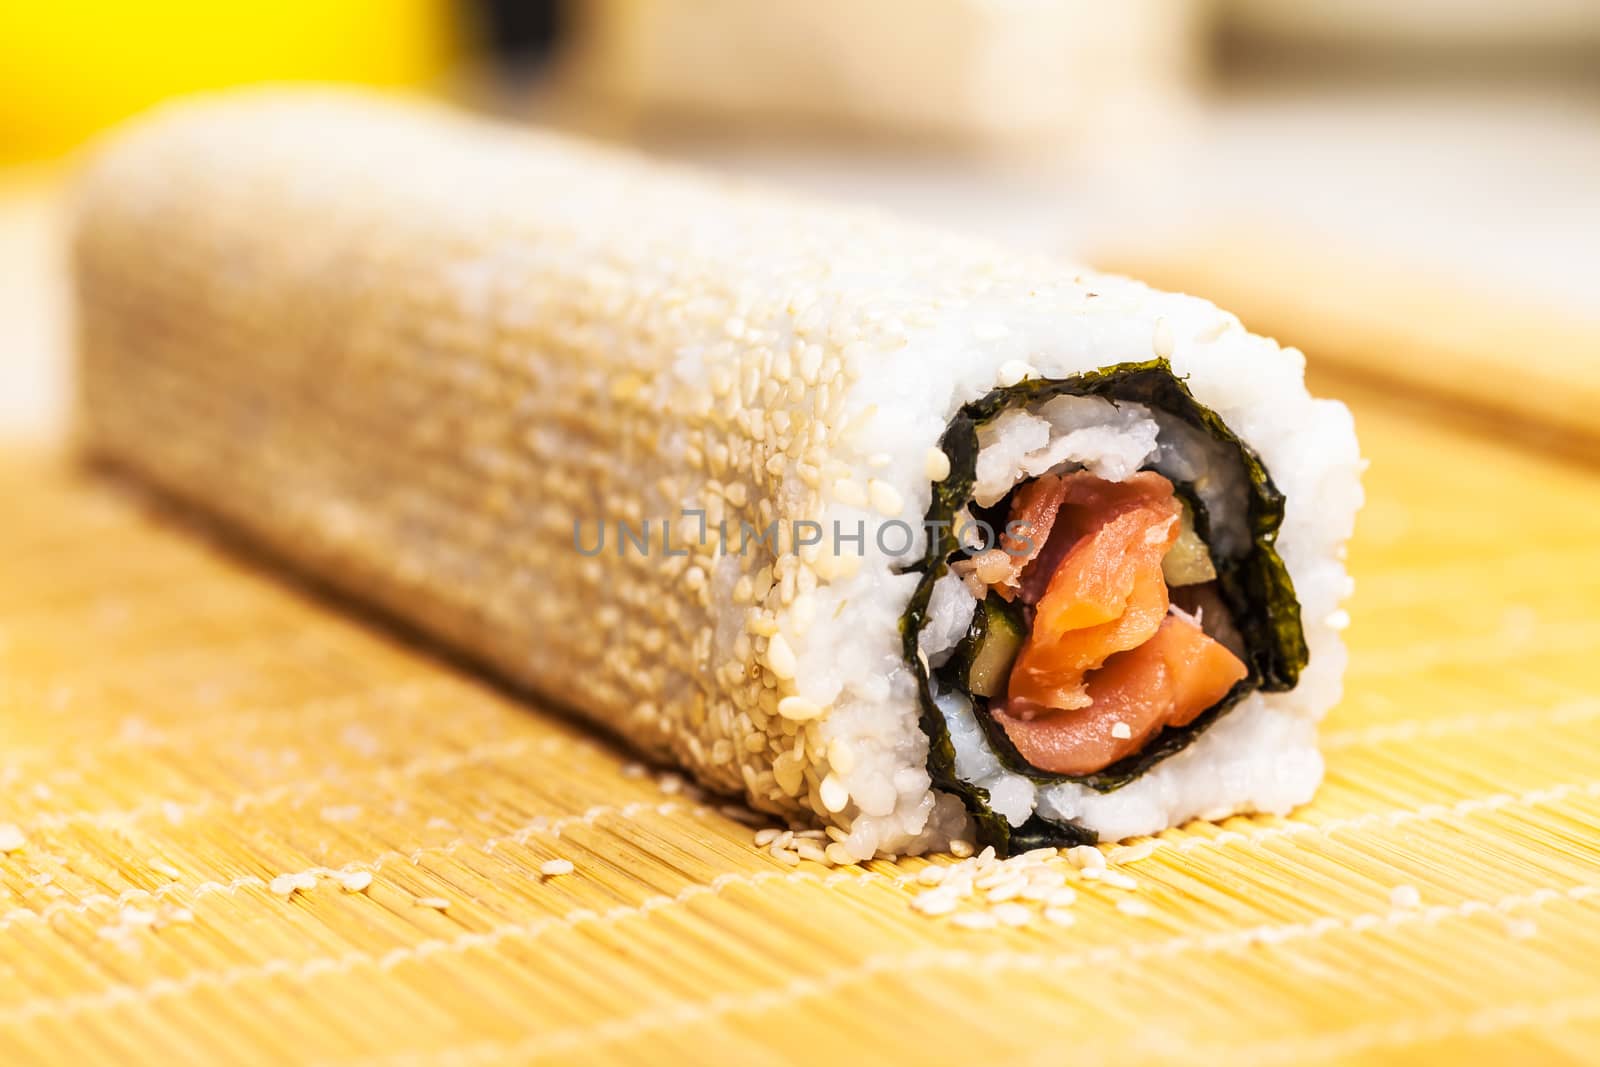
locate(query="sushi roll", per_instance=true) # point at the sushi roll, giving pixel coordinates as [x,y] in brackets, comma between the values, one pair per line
[880,528]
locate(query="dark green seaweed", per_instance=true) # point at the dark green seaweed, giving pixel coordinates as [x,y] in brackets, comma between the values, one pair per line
[1256,587]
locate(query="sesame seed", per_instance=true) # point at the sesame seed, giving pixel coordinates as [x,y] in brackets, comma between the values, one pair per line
[161,866]
[556,868]
[436,903]
[976,920]
[934,903]
[1011,372]
[931,875]
[766,837]
[1062,898]
[1060,916]
[886,499]
[11,837]
[1121,730]
[797,708]
[937,465]
[1133,906]
[283,885]
[839,855]
[1012,914]
[1007,890]
[355,881]
[1405,896]
[304,881]
[833,793]
[784,856]
[1132,853]
[1086,857]
[809,851]
[1118,880]
[960,849]
[1162,341]
[780,657]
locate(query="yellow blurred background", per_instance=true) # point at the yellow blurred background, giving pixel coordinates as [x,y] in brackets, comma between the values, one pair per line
[70,67]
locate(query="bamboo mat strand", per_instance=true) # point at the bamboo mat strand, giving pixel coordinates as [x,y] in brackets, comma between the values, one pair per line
[186,738]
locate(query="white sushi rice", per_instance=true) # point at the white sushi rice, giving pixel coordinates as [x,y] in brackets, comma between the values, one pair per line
[1259,757]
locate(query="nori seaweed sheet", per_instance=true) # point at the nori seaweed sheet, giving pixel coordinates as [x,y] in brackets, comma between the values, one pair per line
[1255,586]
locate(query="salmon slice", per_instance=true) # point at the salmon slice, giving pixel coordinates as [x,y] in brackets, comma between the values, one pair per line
[1167,681]
[1104,657]
[1033,515]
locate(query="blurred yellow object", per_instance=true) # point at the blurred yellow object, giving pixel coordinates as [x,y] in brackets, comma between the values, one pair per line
[72,67]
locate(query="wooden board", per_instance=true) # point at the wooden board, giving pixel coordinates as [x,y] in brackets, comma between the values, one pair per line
[180,727]
[1471,352]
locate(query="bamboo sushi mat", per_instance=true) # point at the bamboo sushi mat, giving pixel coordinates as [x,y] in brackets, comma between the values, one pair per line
[201,763]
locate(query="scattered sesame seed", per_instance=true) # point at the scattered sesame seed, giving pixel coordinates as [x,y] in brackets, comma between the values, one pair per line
[1118,880]
[1405,896]
[1060,916]
[960,849]
[1012,915]
[1121,730]
[839,855]
[935,902]
[1086,857]
[766,837]
[436,903]
[355,881]
[937,465]
[1007,890]
[283,885]
[931,875]
[976,920]
[304,880]
[1133,906]
[809,851]
[1132,853]
[556,868]
[784,856]
[11,837]
[1062,898]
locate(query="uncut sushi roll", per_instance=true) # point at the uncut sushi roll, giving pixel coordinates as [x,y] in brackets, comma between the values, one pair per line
[881,528]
